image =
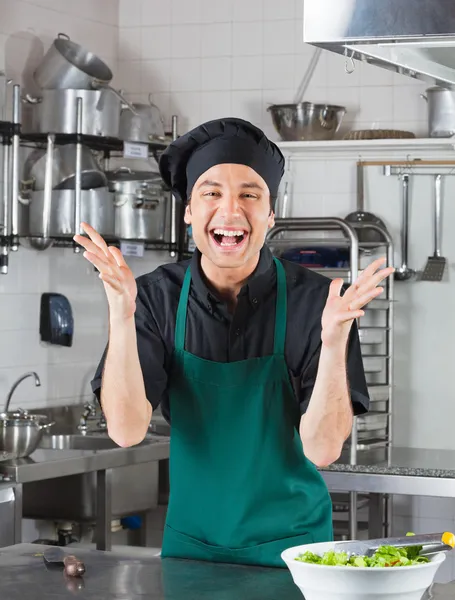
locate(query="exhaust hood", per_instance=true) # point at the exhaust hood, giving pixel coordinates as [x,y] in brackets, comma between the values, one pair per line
[411,37]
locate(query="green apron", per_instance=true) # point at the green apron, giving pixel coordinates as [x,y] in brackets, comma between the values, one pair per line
[241,488]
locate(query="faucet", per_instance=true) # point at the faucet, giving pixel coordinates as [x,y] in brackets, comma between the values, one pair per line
[89,411]
[16,383]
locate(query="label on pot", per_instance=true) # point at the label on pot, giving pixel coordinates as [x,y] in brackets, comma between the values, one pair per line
[132,249]
[135,150]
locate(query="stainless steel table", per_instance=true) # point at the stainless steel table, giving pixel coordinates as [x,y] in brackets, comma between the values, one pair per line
[111,576]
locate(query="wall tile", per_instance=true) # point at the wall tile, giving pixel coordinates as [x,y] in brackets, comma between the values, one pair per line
[247,73]
[278,72]
[216,74]
[247,11]
[186,41]
[155,12]
[156,42]
[215,105]
[248,106]
[216,12]
[130,43]
[216,39]
[130,12]
[278,37]
[186,12]
[185,75]
[247,39]
[156,75]
[274,11]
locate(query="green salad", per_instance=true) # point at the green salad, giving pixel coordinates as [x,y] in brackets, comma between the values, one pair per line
[385,556]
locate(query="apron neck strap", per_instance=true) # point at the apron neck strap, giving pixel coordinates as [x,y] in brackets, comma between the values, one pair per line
[280,316]
[180,323]
[281,309]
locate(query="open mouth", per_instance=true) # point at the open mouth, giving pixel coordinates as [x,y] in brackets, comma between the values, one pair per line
[227,238]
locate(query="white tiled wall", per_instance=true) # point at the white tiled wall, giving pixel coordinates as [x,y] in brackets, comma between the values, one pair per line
[204,59]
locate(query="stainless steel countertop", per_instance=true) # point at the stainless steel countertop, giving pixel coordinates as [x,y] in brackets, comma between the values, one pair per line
[112,576]
[48,464]
[419,462]
[115,576]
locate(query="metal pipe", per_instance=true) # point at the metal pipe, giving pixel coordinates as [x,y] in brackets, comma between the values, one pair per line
[6,217]
[17,382]
[15,167]
[173,198]
[78,174]
[48,186]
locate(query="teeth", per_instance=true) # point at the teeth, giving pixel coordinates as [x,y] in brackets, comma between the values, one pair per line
[226,233]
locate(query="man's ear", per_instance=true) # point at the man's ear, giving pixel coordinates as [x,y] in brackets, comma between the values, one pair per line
[187,216]
[271,219]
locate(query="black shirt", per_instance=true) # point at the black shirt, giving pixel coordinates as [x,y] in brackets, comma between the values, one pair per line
[214,334]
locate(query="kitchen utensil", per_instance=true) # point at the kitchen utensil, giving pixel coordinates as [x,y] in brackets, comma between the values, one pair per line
[300,93]
[431,542]
[55,112]
[306,121]
[140,204]
[403,272]
[441,111]
[67,65]
[144,126]
[21,432]
[436,264]
[365,234]
[63,169]
[97,208]
[356,583]
[378,134]
[56,557]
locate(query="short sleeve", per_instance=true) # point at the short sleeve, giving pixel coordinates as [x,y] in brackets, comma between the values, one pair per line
[152,354]
[356,377]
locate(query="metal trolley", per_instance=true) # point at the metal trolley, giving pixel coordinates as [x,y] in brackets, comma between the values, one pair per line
[371,436]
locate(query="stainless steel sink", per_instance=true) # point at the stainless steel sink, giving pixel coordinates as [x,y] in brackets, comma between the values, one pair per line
[77,442]
[134,488]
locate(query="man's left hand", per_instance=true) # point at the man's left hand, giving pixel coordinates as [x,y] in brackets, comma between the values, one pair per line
[340,311]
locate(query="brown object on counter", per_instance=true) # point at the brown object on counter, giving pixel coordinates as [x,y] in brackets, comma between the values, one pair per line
[378,134]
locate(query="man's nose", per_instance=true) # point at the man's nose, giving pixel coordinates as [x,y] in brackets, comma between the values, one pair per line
[230,205]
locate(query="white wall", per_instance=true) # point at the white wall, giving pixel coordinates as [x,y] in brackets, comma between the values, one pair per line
[26,30]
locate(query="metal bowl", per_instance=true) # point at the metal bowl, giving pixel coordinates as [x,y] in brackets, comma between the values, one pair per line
[21,432]
[306,121]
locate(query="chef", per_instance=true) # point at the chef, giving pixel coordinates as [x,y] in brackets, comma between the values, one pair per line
[254,361]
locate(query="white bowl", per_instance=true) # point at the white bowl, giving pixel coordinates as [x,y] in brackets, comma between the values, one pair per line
[323,582]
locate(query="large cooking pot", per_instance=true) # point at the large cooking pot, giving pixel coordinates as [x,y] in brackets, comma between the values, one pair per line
[67,65]
[441,112]
[144,126]
[97,208]
[140,204]
[63,169]
[21,432]
[55,112]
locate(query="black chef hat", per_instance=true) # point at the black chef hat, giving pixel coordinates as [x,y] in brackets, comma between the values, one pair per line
[217,142]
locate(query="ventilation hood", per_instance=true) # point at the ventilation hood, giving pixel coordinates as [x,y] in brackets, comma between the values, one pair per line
[411,37]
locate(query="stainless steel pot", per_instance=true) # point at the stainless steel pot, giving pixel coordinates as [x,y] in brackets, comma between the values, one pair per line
[140,204]
[144,126]
[97,208]
[441,112]
[67,65]
[55,112]
[21,432]
[306,121]
[63,169]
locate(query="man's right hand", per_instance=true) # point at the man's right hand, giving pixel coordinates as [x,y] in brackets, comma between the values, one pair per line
[118,280]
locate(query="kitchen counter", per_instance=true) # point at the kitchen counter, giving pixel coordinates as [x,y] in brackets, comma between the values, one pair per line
[410,471]
[130,576]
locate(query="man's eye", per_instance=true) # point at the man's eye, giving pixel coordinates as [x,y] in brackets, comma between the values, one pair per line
[211,194]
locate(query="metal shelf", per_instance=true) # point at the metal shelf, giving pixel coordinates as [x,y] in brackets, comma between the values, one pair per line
[379,364]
